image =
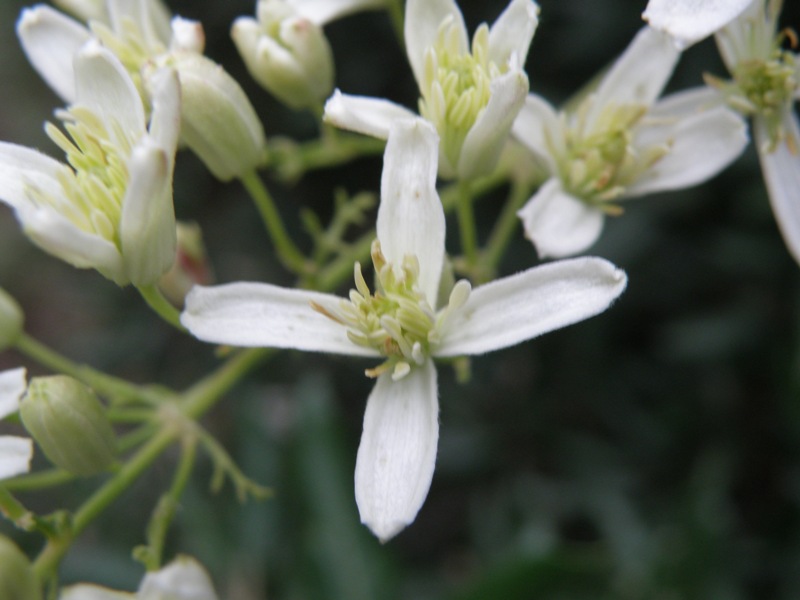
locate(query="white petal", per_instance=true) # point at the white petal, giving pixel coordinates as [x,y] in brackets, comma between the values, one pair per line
[187,35]
[410,216]
[488,136]
[151,19]
[20,167]
[512,32]
[689,21]
[781,169]
[324,11]
[423,18]
[639,74]
[182,579]
[397,453]
[685,104]
[260,314]
[523,306]
[50,40]
[12,386]
[537,126]
[85,591]
[147,223]
[15,455]
[700,147]
[748,37]
[370,116]
[103,85]
[559,224]
[165,120]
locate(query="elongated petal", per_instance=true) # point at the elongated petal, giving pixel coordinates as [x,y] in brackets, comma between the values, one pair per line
[103,85]
[489,134]
[512,32]
[370,116]
[149,16]
[50,40]
[521,307]
[559,224]
[684,104]
[397,453]
[165,120]
[147,223]
[20,167]
[85,591]
[700,147]
[410,216]
[689,21]
[182,579]
[324,11]
[15,455]
[639,75]
[423,19]
[260,314]
[12,386]
[537,127]
[781,169]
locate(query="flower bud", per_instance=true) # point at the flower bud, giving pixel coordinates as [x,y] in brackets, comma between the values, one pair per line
[286,53]
[17,579]
[11,320]
[70,425]
[191,265]
[218,123]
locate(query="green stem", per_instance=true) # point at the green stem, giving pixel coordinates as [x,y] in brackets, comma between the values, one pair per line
[289,254]
[466,223]
[397,15]
[40,480]
[161,306]
[504,228]
[340,269]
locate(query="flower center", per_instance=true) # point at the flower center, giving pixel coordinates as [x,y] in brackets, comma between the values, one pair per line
[599,159]
[396,320]
[93,192]
[456,86]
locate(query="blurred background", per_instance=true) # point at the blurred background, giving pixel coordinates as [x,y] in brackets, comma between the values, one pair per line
[652,452]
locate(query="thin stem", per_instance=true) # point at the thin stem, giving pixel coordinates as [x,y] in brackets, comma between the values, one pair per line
[466,223]
[289,254]
[38,481]
[397,15]
[340,269]
[161,306]
[504,228]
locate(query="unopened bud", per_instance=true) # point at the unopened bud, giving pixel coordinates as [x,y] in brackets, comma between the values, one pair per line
[70,425]
[182,579]
[286,53]
[191,265]
[11,320]
[17,579]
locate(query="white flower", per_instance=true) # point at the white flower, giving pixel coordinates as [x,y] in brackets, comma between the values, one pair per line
[471,95]
[218,122]
[111,208]
[619,143]
[15,452]
[182,579]
[689,21]
[765,86]
[400,324]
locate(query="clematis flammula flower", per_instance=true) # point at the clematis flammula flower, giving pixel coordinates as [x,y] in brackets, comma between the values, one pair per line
[218,122]
[689,21]
[182,579]
[285,48]
[111,208]
[470,94]
[402,325]
[619,142]
[765,86]
[15,451]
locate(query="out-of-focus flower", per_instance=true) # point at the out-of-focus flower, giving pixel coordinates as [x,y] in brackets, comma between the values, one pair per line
[689,21]
[620,142]
[111,208]
[183,579]
[15,452]
[402,324]
[470,94]
[11,320]
[17,578]
[218,122]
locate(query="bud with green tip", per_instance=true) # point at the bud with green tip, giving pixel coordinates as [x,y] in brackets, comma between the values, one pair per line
[17,579]
[11,319]
[70,425]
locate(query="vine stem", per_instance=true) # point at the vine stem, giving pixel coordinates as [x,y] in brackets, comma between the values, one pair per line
[504,228]
[161,306]
[466,223]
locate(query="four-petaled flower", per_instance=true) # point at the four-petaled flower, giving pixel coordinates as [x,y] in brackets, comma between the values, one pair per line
[470,94]
[402,323]
[15,451]
[619,143]
[111,208]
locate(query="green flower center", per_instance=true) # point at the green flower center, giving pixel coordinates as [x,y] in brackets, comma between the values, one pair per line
[92,193]
[396,320]
[599,160]
[456,86]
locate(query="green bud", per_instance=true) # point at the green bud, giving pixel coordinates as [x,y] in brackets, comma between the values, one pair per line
[11,319]
[17,579]
[70,425]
